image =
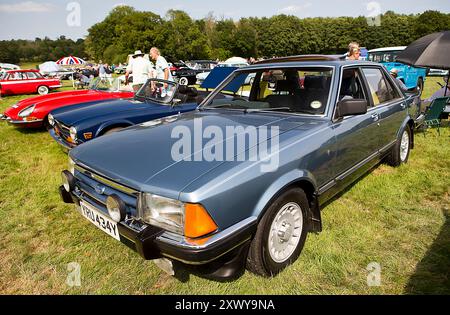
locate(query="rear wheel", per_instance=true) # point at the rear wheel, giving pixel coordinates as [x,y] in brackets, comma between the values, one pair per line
[400,152]
[43,90]
[281,234]
[420,86]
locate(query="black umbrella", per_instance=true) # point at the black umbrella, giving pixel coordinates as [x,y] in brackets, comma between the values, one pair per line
[430,51]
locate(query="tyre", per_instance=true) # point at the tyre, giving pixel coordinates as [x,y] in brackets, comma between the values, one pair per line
[281,234]
[419,87]
[400,152]
[42,90]
[183,81]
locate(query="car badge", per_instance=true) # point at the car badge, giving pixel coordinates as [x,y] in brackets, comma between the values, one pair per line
[99,189]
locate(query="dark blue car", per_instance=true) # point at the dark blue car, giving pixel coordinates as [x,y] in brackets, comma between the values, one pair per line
[79,123]
[241,181]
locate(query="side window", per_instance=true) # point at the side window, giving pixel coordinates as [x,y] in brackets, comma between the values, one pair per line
[380,89]
[351,86]
[32,75]
[15,76]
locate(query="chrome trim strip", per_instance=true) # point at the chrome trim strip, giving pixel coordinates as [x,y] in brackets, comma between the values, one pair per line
[357,166]
[21,122]
[103,179]
[387,147]
[327,186]
[180,241]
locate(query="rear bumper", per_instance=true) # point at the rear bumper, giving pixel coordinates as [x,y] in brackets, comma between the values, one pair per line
[66,146]
[221,255]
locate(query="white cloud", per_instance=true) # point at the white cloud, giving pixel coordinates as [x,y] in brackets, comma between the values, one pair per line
[294,9]
[26,7]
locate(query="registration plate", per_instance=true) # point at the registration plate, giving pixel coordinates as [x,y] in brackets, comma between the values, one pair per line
[99,220]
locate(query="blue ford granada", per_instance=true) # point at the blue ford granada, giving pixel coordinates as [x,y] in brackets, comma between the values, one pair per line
[241,181]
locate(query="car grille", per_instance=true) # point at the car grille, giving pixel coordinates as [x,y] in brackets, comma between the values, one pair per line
[62,130]
[95,188]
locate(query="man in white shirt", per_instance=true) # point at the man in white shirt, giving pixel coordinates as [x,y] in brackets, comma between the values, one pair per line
[141,69]
[162,68]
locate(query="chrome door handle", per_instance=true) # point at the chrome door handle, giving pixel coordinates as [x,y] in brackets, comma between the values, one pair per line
[403,105]
[375,117]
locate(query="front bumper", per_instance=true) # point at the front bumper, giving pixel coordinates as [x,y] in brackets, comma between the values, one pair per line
[66,146]
[221,255]
[37,123]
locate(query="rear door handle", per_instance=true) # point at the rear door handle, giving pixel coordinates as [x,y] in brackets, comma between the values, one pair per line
[375,117]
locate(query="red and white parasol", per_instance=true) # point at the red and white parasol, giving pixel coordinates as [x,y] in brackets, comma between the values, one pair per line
[71,60]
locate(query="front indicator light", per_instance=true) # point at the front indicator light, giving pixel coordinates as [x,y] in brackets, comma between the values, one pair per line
[197,221]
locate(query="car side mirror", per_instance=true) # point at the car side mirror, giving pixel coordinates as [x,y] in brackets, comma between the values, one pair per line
[352,107]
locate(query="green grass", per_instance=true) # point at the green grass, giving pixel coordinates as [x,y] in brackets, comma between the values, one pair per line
[398,217]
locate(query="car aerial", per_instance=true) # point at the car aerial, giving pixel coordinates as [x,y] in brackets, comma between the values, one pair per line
[412,77]
[83,122]
[33,112]
[14,82]
[242,180]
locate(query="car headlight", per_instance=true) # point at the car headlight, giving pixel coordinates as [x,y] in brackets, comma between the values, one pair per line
[71,166]
[190,220]
[116,208]
[73,133]
[51,120]
[27,111]
[174,73]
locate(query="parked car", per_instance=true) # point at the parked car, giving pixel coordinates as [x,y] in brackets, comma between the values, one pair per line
[302,141]
[412,77]
[202,65]
[33,112]
[182,73]
[14,82]
[9,66]
[437,72]
[80,123]
[203,75]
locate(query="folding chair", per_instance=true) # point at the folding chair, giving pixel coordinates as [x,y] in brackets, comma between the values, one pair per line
[433,113]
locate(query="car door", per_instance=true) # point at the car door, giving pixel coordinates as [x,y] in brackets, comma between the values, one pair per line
[357,135]
[16,83]
[32,82]
[388,104]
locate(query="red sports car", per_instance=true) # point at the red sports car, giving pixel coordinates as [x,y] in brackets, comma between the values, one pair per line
[15,82]
[33,112]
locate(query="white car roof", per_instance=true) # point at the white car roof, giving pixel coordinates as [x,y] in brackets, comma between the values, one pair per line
[387,49]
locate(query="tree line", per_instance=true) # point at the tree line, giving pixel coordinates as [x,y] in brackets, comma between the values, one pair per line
[179,36]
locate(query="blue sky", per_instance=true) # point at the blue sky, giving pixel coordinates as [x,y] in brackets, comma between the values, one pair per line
[27,19]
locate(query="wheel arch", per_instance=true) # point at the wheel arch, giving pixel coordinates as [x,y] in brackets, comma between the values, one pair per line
[298,179]
[112,124]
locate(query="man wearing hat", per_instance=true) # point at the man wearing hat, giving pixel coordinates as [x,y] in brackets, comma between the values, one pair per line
[141,68]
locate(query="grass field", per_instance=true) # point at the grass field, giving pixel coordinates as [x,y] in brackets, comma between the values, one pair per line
[396,217]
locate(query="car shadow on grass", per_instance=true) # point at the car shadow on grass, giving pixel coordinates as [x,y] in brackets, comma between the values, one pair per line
[432,274]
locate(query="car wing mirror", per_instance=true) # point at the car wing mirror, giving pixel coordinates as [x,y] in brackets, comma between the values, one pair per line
[351,107]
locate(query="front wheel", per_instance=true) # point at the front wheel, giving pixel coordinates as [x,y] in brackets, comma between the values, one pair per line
[43,90]
[400,152]
[281,234]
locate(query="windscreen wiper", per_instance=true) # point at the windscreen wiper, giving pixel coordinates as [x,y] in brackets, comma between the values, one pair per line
[252,110]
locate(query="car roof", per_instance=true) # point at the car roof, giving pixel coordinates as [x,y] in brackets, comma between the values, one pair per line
[22,70]
[308,60]
[387,49]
